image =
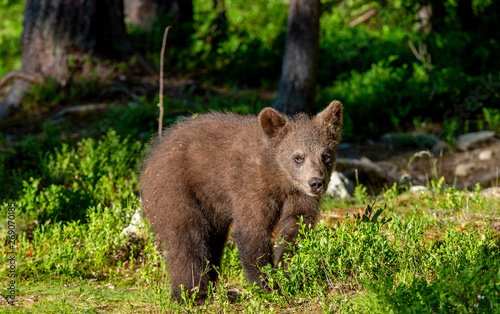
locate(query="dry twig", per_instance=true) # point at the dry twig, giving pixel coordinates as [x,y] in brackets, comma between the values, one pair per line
[160,118]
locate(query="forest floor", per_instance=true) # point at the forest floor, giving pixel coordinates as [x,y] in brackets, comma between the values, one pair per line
[74,186]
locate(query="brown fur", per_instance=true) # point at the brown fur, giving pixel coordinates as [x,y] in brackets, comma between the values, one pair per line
[218,170]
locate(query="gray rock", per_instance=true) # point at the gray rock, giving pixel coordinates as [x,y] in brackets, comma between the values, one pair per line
[369,142]
[343,146]
[339,186]
[418,189]
[425,140]
[441,146]
[136,224]
[418,140]
[490,192]
[470,140]
[463,170]
[486,154]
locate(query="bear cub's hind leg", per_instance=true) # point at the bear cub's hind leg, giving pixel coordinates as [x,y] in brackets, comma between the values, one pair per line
[193,249]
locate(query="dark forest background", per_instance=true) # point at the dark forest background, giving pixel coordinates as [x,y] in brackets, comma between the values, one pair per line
[396,65]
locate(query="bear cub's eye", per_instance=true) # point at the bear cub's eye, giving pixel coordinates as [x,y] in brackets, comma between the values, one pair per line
[298,159]
[327,158]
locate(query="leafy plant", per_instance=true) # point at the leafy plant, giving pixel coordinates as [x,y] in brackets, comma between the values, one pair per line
[370,216]
[360,193]
[450,128]
[492,118]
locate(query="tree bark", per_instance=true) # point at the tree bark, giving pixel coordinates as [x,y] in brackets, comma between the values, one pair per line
[63,39]
[56,34]
[297,87]
[142,13]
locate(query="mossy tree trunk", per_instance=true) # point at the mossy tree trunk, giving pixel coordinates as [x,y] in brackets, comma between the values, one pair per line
[61,38]
[297,87]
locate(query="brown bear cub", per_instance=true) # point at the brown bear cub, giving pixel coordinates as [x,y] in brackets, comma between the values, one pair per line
[253,173]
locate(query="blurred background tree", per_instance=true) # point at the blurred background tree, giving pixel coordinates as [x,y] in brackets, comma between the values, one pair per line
[63,40]
[394,64]
[297,87]
[142,13]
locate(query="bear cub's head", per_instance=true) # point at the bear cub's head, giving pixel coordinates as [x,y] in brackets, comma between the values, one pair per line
[305,148]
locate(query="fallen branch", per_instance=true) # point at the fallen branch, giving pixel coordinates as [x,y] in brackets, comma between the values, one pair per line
[25,76]
[58,116]
[367,165]
[363,17]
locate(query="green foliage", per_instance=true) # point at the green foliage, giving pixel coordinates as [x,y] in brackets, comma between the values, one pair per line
[74,197]
[450,128]
[89,174]
[11,17]
[244,49]
[14,170]
[492,118]
[370,216]
[73,208]
[360,193]
[349,252]
[459,272]
[383,92]
[73,205]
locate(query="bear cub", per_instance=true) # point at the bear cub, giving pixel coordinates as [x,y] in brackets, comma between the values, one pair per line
[218,170]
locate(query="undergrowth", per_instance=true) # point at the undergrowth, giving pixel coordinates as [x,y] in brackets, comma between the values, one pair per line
[431,252]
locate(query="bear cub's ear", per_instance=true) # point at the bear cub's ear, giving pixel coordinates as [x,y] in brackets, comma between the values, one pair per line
[332,118]
[271,122]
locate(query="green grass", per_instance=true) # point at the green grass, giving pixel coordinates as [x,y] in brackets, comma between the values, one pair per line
[438,253]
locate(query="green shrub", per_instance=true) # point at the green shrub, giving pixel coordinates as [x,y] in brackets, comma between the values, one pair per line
[376,98]
[401,270]
[63,182]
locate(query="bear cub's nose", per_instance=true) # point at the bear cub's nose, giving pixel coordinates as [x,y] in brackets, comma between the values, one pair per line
[317,184]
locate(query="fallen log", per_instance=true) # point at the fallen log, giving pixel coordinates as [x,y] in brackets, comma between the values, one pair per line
[367,165]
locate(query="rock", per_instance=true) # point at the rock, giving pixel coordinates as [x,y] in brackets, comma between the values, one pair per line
[490,192]
[369,142]
[421,141]
[441,146]
[485,154]
[339,186]
[343,146]
[136,224]
[418,189]
[463,170]
[470,140]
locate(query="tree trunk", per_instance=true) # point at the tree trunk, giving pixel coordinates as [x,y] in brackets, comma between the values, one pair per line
[56,34]
[297,88]
[62,39]
[142,13]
